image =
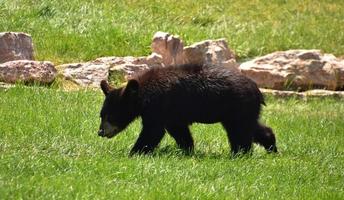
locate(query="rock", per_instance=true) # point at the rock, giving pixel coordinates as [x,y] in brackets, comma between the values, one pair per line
[170,47]
[297,70]
[280,93]
[154,60]
[27,71]
[117,69]
[15,46]
[303,95]
[127,66]
[173,52]
[86,74]
[5,86]
[324,93]
[214,52]
[130,65]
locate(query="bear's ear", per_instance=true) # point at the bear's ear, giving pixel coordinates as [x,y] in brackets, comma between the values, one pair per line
[105,87]
[131,88]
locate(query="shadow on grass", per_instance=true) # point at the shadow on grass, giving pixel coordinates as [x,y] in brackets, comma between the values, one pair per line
[171,151]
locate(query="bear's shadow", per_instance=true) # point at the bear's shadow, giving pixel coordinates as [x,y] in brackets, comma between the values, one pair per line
[173,151]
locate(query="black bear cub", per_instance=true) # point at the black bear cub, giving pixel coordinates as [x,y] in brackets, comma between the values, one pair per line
[172,98]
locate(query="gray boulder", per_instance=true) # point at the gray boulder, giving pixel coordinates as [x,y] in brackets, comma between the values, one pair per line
[296,70]
[27,71]
[119,69]
[213,52]
[172,50]
[15,46]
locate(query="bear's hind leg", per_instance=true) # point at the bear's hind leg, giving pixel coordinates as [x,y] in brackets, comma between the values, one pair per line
[149,139]
[182,136]
[240,136]
[264,136]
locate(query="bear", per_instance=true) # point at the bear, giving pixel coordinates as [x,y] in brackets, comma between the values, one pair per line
[171,98]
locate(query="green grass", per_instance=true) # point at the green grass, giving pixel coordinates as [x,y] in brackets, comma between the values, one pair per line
[80,30]
[49,149]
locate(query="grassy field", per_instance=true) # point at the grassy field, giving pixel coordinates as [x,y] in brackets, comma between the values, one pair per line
[79,30]
[49,149]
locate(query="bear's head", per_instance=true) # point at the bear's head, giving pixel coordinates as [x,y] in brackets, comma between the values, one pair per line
[119,108]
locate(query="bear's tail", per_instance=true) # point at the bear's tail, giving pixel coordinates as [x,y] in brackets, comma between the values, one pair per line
[261,98]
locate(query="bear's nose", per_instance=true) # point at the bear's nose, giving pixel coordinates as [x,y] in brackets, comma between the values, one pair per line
[101,132]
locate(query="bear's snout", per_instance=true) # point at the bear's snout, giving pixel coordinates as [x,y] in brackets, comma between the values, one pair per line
[101,132]
[108,130]
[272,149]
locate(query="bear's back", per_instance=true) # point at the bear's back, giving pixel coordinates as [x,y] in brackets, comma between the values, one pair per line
[192,78]
[197,93]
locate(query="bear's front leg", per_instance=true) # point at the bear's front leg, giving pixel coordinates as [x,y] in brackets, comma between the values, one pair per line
[149,138]
[240,135]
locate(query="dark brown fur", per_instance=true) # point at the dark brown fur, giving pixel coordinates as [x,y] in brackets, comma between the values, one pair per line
[172,98]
